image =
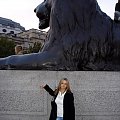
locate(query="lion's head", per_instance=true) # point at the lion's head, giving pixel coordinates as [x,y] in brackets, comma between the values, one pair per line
[43,13]
[69,12]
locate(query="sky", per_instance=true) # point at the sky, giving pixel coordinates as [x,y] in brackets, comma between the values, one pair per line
[22,11]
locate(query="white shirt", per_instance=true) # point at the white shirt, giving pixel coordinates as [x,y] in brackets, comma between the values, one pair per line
[59,102]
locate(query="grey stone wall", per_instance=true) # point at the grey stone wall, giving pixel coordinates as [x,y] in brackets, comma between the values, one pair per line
[97,94]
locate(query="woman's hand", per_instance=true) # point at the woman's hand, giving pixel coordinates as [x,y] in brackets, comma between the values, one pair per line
[42,86]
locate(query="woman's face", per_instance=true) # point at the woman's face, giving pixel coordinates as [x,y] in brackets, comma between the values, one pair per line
[63,84]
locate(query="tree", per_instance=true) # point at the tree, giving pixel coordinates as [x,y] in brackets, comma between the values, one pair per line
[6,47]
[35,48]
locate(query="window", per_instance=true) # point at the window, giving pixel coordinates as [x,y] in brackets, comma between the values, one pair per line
[4,30]
[11,32]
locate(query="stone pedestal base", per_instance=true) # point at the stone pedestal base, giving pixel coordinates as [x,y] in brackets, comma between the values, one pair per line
[97,94]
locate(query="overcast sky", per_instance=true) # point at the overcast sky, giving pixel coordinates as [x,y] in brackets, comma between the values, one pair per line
[22,11]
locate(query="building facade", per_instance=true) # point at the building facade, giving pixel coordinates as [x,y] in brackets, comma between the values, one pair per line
[32,36]
[15,32]
[8,26]
[27,38]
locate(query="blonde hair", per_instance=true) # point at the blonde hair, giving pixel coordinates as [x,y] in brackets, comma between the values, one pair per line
[58,87]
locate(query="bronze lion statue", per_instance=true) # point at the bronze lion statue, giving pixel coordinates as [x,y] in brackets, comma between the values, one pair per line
[81,37]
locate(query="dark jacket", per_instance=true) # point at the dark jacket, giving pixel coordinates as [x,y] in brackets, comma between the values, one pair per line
[68,105]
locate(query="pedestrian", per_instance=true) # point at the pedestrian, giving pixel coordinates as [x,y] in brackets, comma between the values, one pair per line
[62,104]
[117,12]
[18,50]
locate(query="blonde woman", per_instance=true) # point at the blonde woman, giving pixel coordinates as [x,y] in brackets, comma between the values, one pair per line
[63,101]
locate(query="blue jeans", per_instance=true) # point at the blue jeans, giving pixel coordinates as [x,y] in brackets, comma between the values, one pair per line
[59,118]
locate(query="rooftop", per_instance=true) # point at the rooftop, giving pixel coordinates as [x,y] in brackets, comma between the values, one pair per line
[8,22]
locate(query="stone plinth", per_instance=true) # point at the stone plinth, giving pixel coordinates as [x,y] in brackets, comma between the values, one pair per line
[97,94]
